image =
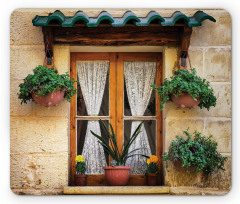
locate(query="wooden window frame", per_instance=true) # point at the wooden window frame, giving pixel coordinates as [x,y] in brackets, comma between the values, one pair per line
[116,108]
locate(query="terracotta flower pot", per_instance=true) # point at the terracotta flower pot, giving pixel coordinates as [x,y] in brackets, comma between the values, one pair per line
[52,99]
[178,166]
[80,180]
[185,101]
[151,179]
[118,175]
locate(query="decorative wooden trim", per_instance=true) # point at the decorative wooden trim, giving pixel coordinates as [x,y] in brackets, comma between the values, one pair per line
[116,107]
[48,42]
[112,36]
[185,36]
[72,121]
[119,101]
[159,80]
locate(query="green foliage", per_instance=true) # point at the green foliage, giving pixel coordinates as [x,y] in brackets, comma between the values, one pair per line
[45,81]
[152,168]
[186,82]
[200,152]
[111,147]
[81,167]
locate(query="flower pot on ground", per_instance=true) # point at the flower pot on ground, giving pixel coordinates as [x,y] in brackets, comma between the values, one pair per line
[195,154]
[152,171]
[80,177]
[187,90]
[46,87]
[118,174]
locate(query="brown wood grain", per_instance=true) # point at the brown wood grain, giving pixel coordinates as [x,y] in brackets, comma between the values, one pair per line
[72,121]
[116,107]
[153,35]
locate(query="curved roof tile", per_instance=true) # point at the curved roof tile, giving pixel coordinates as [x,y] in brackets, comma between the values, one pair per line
[129,16]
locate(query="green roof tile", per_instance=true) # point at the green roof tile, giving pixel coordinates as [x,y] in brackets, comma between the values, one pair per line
[103,16]
[128,17]
[79,16]
[198,17]
[152,16]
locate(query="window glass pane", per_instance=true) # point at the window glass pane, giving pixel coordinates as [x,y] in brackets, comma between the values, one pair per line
[95,83]
[150,127]
[81,134]
[139,97]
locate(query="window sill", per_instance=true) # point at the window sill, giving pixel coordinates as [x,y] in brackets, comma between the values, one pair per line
[116,190]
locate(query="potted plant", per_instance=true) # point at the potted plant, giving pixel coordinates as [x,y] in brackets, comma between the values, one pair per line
[195,154]
[80,176]
[46,87]
[152,171]
[118,174]
[187,90]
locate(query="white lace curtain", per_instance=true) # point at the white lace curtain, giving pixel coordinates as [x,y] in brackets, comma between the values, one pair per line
[92,78]
[138,77]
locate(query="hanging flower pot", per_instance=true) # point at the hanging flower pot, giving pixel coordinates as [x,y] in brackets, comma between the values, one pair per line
[178,166]
[191,90]
[46,87]
[52,99]
[117,175]
[185,101]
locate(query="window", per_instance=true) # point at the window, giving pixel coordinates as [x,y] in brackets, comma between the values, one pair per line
[114,87]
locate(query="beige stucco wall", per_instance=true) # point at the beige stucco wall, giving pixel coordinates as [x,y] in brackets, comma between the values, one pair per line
[39,135]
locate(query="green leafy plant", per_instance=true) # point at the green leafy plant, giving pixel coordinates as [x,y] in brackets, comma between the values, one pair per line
[111,147]
[185,81]
[201,152]
[152,166]
[45,81]
[80,164]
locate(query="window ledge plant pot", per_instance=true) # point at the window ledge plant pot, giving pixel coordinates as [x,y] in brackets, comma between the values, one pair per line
[52,99]
[118,175]
[185,101]
[178,166]
[80,180]
[151,179]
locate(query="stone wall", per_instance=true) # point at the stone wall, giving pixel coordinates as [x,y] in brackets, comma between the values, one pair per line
[39,135]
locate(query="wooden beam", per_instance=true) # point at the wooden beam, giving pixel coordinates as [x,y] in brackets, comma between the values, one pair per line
[117,35]
[185,35]
[48,42]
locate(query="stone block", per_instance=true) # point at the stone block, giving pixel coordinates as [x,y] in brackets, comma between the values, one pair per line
[38,135]
[61,110]
[196,60]
[221,131]
[23,59]
[218,65]
[170,62]
[174,127]
[213,33]
[62,58]
[219,179]
[16,109]
[37,171]
[22,31]
[223,105]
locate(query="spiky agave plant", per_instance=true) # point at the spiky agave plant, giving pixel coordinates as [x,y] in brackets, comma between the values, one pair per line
[111,147]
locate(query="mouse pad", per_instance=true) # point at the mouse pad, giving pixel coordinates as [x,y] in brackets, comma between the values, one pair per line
[120,101]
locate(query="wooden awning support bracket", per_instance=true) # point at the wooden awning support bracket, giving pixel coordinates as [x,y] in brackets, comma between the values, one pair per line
[184,43]
[48,42]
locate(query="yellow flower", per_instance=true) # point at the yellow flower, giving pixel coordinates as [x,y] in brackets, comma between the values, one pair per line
[154,159]
[148,161]
[79,158]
